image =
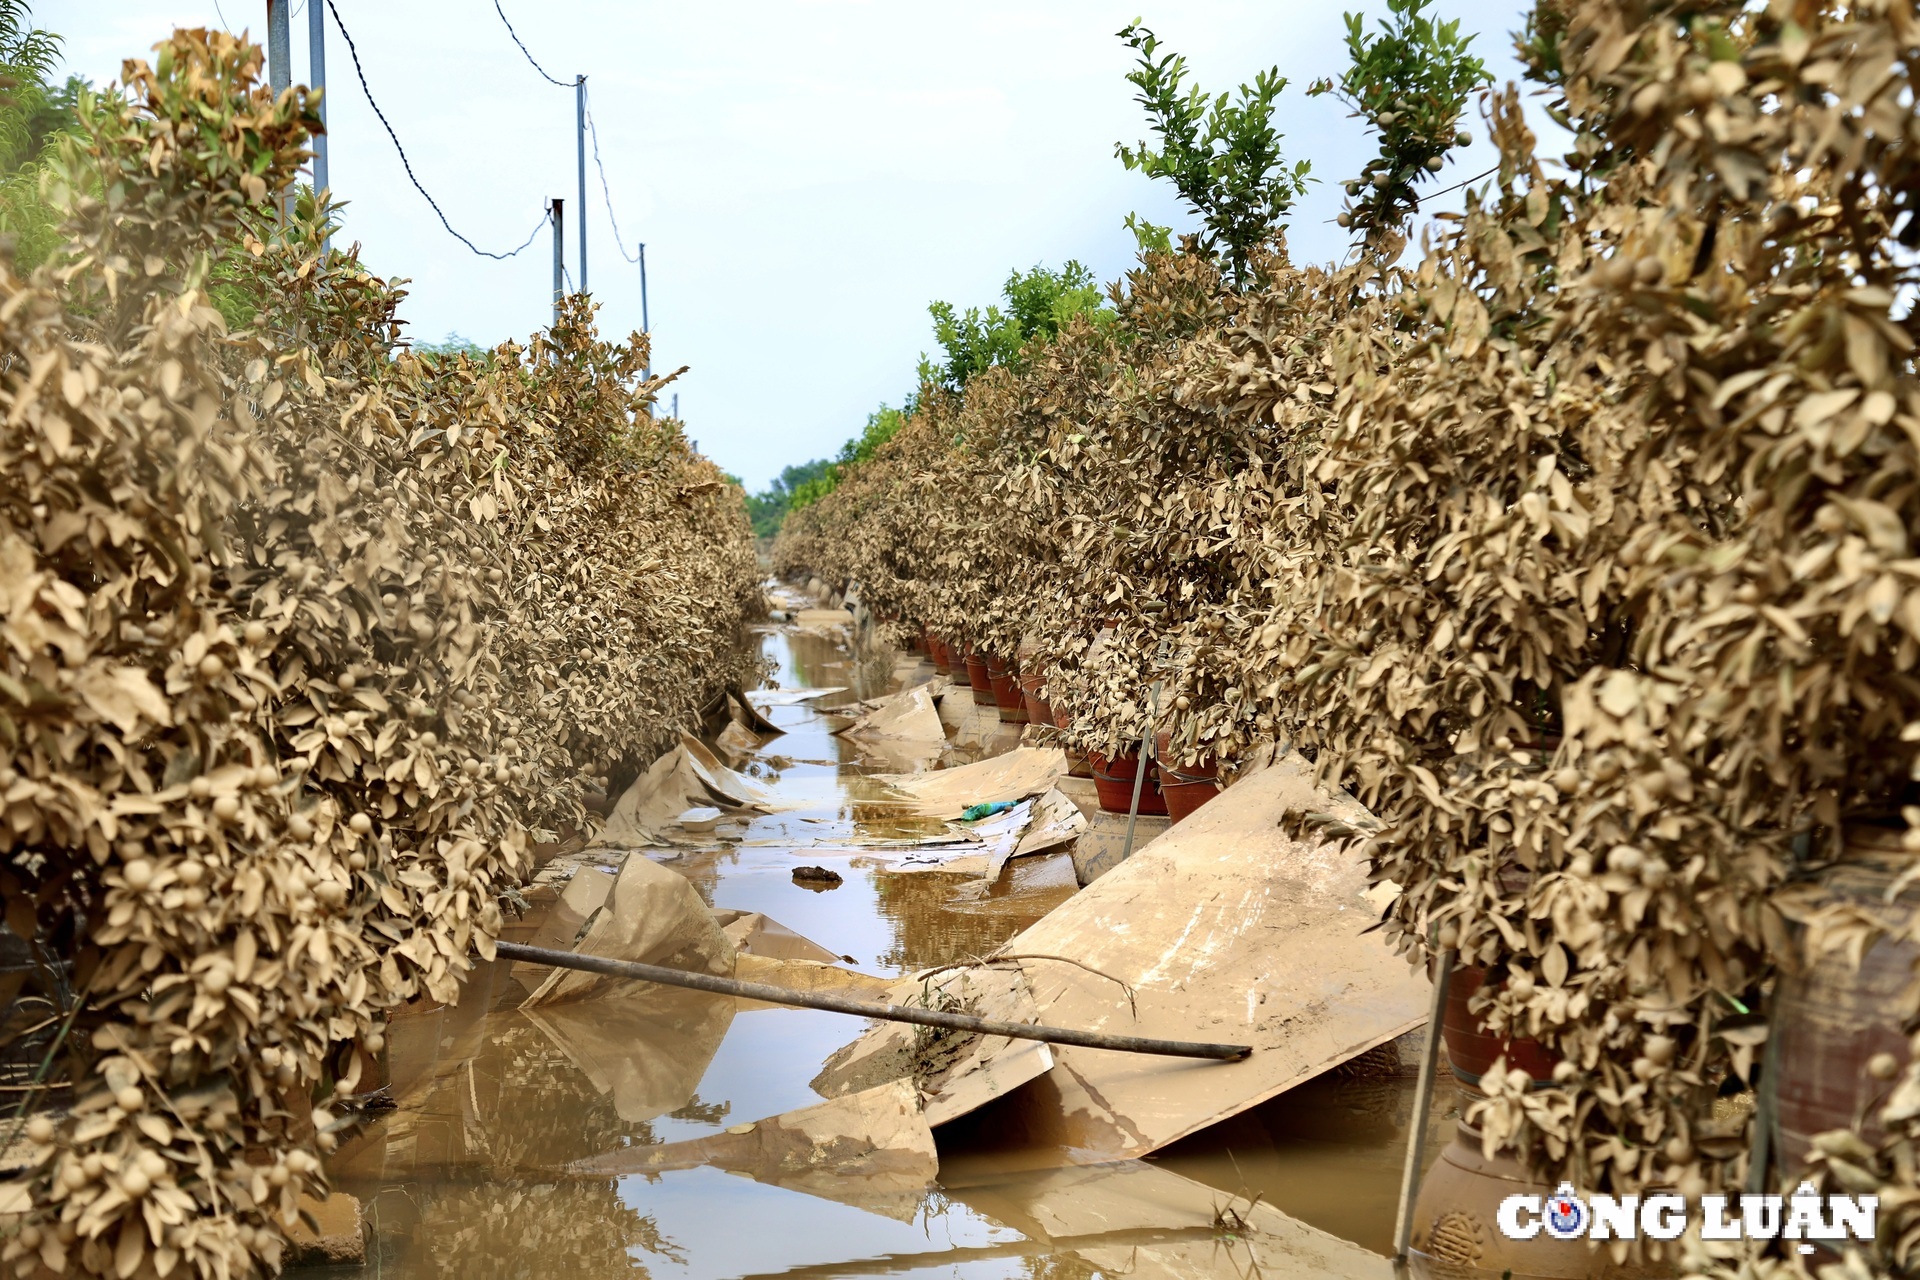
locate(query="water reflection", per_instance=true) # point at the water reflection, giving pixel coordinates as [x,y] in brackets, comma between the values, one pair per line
[479,1172]
[1323,1151]
[941,919]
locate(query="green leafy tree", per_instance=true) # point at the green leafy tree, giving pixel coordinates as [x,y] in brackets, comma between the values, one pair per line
[452,345]
[30,111]
[34,115]
[767,510]
[1410,82]
[882,424]
[1221,153]
[1038,304]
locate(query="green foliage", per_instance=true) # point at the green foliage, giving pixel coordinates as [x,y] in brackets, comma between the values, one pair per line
[1410,82]
[452,345]
[30,112]
[1038,304]
[34,116]
[767,510]
[1222,154]
[1150,236]
[882,425]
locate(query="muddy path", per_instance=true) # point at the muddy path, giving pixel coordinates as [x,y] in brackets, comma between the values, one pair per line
[474,1173]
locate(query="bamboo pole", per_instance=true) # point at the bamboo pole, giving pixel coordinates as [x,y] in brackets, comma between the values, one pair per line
[867,1009]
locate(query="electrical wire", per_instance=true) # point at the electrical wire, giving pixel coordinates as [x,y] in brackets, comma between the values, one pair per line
[359,71]
[1417,197]
[564,84]
[606,192]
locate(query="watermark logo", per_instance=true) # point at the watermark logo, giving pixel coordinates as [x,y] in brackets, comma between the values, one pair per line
[1566,1214]
[1804,1215]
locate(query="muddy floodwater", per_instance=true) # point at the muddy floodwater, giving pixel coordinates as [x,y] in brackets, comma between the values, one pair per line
[471,1175]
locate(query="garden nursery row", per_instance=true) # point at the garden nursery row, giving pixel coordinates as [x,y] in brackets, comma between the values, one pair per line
[1576,542]
[308,642]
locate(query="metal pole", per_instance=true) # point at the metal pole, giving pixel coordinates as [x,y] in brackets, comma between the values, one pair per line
[279,47]
[559,260]
[1766,1112]
[770,994]
[1140,774]
[317,57]
[676,406]
[580,155]
[279,61]
[645,327]
[1422,1104]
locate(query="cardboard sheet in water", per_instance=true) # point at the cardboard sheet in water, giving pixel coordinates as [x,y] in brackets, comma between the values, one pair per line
[1229,931]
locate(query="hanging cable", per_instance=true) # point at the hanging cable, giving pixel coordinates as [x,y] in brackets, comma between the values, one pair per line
[605,190]
[1417,198]
[564,84]
[359,71]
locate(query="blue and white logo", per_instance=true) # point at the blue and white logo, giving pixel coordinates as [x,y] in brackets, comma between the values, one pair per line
[1566,1214]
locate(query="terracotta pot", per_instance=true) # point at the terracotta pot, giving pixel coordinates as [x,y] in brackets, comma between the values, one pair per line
[1471,1048]
[1203,769]
[937,650]
[1006,691]
[1831,1018]
[1032,692]
[1184,794]
[957,664]
[981,682]
[1113,780]
[1456,1229]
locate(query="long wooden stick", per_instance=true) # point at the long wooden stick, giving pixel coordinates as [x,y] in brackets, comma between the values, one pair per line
[867,1009]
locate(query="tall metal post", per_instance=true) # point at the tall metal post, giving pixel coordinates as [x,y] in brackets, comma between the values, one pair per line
[646,327]
[1140,774]
[317,54]
[280,60]
[1416,1161]
[580,154]
[559,257]
[279,46]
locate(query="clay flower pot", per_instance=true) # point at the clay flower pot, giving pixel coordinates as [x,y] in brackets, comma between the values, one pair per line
[1032,691]
[977,677]
[1006,691]
[1832,1017]
[1186,786]
[1471,1048]
[1113,779]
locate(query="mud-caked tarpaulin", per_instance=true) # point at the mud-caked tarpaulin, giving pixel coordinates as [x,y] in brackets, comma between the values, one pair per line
[651,916]
[948,793]
[955,1071]
[1225,929]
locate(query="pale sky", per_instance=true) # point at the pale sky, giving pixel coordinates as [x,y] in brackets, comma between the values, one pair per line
[807,174]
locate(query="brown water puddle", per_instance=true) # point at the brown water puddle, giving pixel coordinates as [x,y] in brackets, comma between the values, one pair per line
[468,1177]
